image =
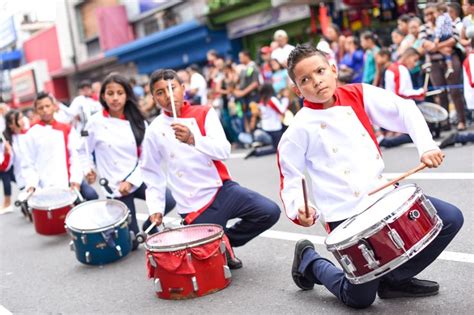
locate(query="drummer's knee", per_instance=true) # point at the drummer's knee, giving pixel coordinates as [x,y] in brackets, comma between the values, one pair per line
[273,213]
[361,301]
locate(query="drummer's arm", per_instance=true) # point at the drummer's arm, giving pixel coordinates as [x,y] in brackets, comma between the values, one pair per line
[387,110]
[75,166]
[406,89]
[214,144]
[153,176]
[27,162]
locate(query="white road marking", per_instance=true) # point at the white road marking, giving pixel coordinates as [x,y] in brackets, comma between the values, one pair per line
[319,240]
[4,311]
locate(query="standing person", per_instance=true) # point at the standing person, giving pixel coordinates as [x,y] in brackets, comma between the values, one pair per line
[192,146]
[279,76]
[332,140]
[336,42]
[247,90]
[50,156]
[265,67]
[368,41]
[444,31]
[84,106]
[439,68]
[283,50]
[5,163]
[197,86]
[383,60]
[398,79]
[353,59]
[115,135]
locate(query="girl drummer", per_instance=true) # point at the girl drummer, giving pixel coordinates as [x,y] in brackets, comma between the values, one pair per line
[115,136]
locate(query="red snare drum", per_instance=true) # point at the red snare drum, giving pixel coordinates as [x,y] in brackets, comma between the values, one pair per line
[49,207]
[390,232]
[188,262]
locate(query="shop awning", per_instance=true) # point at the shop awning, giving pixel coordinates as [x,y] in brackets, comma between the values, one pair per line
[174,47]
[10,59]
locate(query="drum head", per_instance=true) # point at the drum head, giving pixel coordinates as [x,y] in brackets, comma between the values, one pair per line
[96,215]
[186,236]
[433,113]
[385,206]
[52,198]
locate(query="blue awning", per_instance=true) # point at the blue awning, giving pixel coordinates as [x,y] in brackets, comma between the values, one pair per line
[175,47]
[10,59]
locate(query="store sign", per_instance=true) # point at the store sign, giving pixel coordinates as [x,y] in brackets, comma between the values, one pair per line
[7,32]
[24,86]
[267,19]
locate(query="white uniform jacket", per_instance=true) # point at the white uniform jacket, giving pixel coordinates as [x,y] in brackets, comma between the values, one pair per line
[115,148]
[468,76]
[84,107]
[398,81]
[338,149]
[50,158]
[194,173]
[18,143]
[271,114]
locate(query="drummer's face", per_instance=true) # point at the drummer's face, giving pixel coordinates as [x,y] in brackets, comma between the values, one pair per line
[162,96]
[45,109]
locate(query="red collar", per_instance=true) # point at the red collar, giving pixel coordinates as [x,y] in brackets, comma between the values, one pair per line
[186,104]
[320,106]
[42,123]
[107,115]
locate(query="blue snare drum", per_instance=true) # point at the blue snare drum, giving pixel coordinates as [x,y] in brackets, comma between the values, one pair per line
[99,231]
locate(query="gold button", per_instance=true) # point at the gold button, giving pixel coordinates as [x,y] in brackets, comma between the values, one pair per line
[347,172]
[218,182]
[190,194]
[163,134]
[363,134]
[180,174]
[349,113]
[172,155]
[380,176]
[209,163]
[323,125]
[192,123]
[377,156]
[356,193]
[335,150]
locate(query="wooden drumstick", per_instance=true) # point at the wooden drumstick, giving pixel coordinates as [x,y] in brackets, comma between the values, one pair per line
[173,107]
[392,182]
[305,197]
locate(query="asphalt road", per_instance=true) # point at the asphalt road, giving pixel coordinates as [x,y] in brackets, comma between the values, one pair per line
[39,274]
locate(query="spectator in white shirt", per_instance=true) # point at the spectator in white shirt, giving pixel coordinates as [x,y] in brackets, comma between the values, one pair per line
[197,86]
[281,53]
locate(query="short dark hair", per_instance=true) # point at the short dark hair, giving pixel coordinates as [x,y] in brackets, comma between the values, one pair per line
[456,7]
[163,74]
[410,51]
[385,52]
[246,53]
[43,95]
[404,18]
[85,83]
[300,52]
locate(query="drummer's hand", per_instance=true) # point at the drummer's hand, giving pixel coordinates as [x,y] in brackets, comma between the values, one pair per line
[30,189]
[91,177]
[8,147]
[433,158]
[157,218]
[124,188]
[307,221]
[75,186]
[183,133]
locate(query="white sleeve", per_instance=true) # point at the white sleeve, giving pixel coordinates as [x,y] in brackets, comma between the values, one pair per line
[75,107]
[75,167]
[135,177]
[406,85]
[390,81]
[214,144]
[153,176]
[86,147]
[292,164]
[394,113]
[27,162]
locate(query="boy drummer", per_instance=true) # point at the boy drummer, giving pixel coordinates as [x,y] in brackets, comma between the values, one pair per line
[192,146]
[331,138]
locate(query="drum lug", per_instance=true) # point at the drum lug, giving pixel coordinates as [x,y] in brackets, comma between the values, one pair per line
[190,257]
[396,239]
[50,215]
[222,247]
[347,264]
[88,257]
[84,239]
[119,250]
[71,246]
[152,261]
[368,254]
[116,234]
[428,206]
[195,284]
[129,219]
[227,273]
[157,285]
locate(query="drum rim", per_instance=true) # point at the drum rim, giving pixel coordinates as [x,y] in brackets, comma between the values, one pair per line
[73,198]
[173,248]
[102,229]
[434,106]
[377,226]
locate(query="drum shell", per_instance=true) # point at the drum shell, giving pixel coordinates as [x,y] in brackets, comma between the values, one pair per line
[210,274]
[50,222]
[415,234]
[100,252]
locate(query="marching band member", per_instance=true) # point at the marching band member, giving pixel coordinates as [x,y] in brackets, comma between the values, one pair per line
[84,105]
[115,135]
[398,79]
[192,145]
[50,156]
[331,138]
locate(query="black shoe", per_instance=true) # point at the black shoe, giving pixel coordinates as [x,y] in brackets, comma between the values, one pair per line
[252,152]
[233,263]
[412,288]
[135,245]
[300,280]
[449,141]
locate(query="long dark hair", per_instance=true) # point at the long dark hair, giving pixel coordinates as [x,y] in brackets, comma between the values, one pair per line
[12,116]
[131,111]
